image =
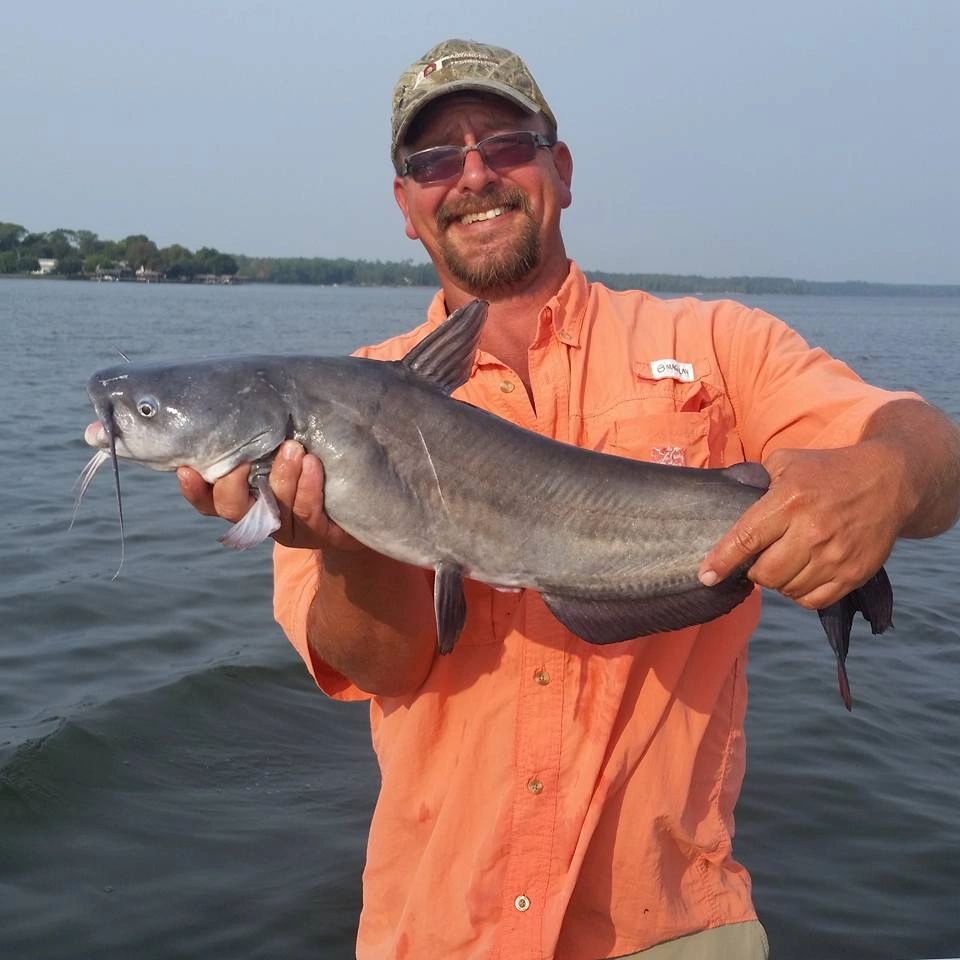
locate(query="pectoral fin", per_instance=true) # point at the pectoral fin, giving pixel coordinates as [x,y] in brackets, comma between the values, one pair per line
[449,604]
[258,522]
[610,620]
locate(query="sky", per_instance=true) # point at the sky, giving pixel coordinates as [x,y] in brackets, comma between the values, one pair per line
[815,140]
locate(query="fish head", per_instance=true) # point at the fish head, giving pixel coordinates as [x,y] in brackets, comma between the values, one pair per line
[209,415]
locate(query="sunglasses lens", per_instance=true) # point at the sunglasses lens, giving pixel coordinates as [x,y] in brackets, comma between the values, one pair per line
[438,163]
[509,150]
[499,152]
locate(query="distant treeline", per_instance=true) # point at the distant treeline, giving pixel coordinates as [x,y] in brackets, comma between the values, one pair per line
[693,283]
[81,253]
[343,272]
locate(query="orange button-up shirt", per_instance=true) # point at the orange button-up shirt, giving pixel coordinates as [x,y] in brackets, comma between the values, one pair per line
[542,797]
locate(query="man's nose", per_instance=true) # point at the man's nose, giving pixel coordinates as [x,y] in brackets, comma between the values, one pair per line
[476,173]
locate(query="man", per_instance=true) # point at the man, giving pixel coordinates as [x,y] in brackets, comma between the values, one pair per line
[541,797]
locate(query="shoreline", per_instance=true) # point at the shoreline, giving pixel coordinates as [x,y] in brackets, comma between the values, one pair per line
[749,286]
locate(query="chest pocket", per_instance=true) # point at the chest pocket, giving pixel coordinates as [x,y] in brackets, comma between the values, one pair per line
[676,422]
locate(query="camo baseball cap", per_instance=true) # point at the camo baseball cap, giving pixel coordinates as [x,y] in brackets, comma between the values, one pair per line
[463,65]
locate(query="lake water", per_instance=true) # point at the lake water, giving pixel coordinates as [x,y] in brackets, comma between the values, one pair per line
[172,784]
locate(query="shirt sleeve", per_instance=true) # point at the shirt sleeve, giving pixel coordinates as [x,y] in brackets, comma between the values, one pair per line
[787,394]
[296,576]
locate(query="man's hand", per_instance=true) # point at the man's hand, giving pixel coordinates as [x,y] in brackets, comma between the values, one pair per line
[827,523]
[830,517]
[296,479]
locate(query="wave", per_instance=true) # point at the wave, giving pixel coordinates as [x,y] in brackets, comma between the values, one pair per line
[130,827]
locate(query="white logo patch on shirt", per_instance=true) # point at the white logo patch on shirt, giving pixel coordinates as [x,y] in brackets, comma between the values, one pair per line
[672,369]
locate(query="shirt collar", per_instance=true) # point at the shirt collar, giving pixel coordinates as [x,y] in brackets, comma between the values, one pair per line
[564,312]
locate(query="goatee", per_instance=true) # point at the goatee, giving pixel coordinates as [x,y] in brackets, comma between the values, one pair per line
[501,266]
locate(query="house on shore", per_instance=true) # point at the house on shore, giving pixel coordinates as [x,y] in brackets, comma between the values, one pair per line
[228,279]
[143,275]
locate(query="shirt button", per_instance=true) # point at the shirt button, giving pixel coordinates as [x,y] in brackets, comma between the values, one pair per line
[542,677]
[506,386]
[522,903]
[534,785]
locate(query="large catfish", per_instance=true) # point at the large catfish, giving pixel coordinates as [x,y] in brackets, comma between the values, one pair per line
[612,544]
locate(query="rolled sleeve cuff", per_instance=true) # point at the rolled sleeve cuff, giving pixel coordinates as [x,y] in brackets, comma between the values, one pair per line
[296,576]
[847,427]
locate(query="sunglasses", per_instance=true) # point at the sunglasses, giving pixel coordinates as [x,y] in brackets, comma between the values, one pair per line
[498,152]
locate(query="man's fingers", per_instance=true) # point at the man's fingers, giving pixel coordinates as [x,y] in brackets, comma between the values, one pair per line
[286,476]
[761,525]
[196,490]
[308,505]
[285,473]
[229,497]
[785,566]
[822,595]
[231,494]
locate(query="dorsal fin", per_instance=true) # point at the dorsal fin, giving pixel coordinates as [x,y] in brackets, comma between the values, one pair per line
[750,474]
[445,358]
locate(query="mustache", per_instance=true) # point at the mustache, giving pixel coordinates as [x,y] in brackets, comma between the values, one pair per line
[512,198]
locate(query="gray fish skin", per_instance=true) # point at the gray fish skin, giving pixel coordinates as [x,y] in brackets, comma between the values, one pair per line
[613,544]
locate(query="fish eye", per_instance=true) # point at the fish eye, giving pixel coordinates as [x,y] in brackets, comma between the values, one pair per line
[148,406]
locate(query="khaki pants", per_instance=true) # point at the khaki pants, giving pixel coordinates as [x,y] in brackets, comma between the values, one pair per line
[736,941]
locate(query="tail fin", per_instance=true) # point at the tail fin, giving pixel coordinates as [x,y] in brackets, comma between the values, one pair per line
[875,601]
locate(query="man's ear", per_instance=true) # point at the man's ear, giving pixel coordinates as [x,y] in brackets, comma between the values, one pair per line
[400,195]
[563,160]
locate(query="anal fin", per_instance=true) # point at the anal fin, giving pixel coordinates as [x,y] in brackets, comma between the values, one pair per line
[610,620]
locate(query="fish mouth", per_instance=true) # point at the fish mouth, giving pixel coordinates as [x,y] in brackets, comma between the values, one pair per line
[96,435]
[110,441]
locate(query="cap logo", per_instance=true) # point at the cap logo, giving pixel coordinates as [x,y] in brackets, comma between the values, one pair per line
[455,59]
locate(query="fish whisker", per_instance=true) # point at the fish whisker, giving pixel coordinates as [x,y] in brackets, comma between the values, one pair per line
[112,433]
[83,481]
[92,466]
